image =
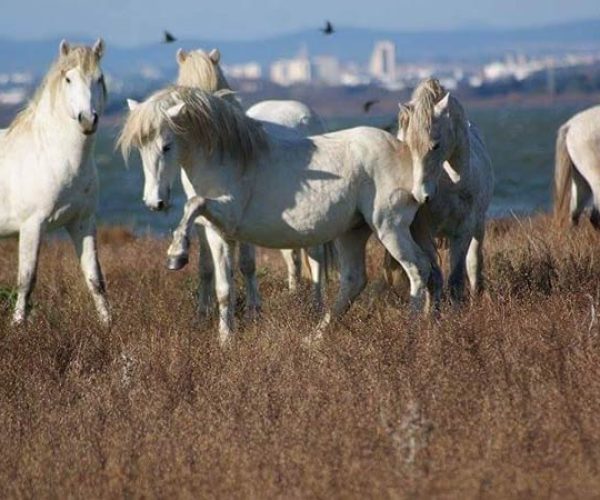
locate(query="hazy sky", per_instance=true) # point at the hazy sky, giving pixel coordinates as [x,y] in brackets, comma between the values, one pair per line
[133,22]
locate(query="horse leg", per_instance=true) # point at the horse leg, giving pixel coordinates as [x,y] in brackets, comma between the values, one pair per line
[351,248]
[420,230]
[30,237]
[475,260]
[178,251]
[294,267]
[206,273]
[248,269]
[459,245]
[595,215]
[398,241]
[83,235]
[316,262]
[223,258]
[580,195]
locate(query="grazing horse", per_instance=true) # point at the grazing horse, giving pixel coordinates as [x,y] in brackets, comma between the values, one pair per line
[452,175]
[577,168]
[48,177]
[279,192]
[202,70]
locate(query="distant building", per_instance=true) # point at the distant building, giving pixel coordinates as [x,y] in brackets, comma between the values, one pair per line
[13,96]
[245,71]
[326,70]
[289,71]
[383,61]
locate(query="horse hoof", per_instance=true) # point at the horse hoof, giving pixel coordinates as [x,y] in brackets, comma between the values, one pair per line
[177,262]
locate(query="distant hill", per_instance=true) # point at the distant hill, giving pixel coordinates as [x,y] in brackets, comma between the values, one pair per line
[347,44]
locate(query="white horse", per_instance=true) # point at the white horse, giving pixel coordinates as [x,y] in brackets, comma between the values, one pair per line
[577,170]
[280,193]
[288,118]
[452,174]
[48,177]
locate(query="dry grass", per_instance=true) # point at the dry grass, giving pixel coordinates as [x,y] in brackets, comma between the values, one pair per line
[500,399]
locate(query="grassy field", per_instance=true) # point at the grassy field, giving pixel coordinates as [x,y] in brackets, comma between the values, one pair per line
[499,399]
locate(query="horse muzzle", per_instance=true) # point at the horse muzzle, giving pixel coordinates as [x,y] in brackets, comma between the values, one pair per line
[157,206]
[423,193]
[88,122]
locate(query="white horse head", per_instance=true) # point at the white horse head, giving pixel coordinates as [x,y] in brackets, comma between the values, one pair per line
[157,145]
[83,87]
[73,87]
[201,69]
[178,120]
[426,126]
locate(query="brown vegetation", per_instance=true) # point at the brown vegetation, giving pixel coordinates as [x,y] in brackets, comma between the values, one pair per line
[500,399]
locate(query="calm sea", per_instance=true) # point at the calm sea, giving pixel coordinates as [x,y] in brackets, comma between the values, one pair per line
[520,140]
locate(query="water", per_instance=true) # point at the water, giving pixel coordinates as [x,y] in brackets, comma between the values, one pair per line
[520,140]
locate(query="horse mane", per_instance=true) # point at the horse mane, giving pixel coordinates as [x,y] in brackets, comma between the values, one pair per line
[207,120]
[198,70]
[424,98]
[79,56]
[420,111]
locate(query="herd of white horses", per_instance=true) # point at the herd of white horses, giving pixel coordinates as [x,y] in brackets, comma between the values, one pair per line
[271,176]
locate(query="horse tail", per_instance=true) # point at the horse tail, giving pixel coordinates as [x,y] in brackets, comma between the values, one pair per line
[563,173]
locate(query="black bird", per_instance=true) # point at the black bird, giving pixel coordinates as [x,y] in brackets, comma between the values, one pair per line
[369,104]
[328,29]
[167,37]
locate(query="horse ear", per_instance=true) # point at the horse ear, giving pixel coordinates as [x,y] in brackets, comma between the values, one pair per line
[174,110]
[64,48]
[215,56]
[132,103]
[442,106]
[181,56]
[98,48]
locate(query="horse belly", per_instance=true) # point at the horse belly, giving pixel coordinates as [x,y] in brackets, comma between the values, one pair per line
[302,225]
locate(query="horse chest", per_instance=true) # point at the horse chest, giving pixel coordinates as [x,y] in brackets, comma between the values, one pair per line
[75,191]
[451,209]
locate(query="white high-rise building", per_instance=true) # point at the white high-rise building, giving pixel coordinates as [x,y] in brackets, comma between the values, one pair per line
[383,61]
[326,70]
[289,71]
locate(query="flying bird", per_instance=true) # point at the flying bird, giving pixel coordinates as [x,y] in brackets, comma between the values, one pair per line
[369,104]
[167,37]
[328,29]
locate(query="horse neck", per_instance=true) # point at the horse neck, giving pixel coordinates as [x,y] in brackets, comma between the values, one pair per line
[460,153]
[214,176]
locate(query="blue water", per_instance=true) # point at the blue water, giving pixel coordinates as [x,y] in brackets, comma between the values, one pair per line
[520,140]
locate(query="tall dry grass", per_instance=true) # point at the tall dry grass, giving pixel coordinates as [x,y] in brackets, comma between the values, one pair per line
[500,399]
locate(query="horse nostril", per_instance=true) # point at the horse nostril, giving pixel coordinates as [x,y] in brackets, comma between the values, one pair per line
[426,199]
[160,205]
[95,118]
[79,117]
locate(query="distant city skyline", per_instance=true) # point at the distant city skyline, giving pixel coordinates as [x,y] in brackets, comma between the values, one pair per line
[134,22]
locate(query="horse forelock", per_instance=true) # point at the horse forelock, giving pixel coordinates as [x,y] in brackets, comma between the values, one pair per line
[81,57]
[419,115]
[198,70]
[207,121]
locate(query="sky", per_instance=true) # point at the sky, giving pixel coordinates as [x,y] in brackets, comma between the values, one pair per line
[135,22]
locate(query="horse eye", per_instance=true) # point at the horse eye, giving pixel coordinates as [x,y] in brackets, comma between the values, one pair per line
[436,146]
[166,148]
[101,79]
[68,79]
